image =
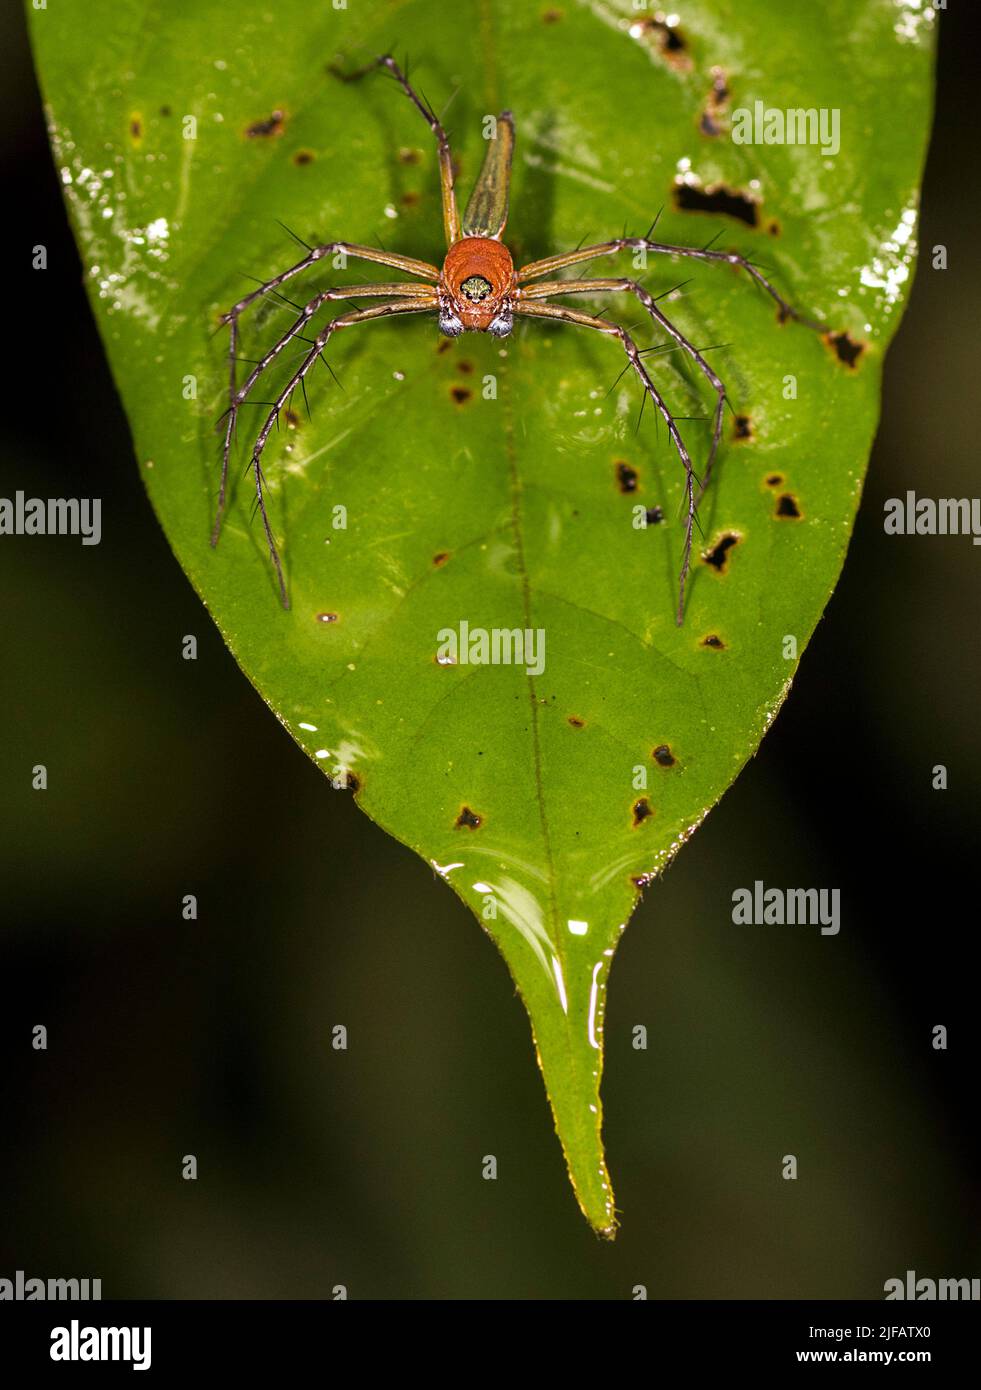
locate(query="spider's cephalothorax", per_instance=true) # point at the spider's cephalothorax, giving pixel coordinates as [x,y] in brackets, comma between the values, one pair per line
[478,290]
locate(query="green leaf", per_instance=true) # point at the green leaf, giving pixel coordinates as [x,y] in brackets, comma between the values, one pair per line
[197,127]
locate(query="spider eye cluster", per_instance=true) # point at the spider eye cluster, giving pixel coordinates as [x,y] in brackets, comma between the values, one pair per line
[475,288]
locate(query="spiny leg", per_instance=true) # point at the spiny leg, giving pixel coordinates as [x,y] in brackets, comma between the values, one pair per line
[422,269]
[376,311]
[451,217]
[551,264]
[546,288]
[533,309]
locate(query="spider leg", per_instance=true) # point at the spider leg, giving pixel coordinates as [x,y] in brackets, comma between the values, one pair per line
[548,288]
[237,396]
[534,309]
[535,269]
[348,320]
[451,217]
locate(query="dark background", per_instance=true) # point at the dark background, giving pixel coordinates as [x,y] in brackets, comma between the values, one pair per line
[362,1168]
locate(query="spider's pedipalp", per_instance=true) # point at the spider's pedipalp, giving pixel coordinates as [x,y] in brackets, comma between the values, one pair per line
[535,309]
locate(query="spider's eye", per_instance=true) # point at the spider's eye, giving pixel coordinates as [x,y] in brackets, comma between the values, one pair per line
[502,323]
[476,288]
[450,324]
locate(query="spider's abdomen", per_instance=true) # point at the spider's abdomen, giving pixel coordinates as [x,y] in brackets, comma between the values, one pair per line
[478,276]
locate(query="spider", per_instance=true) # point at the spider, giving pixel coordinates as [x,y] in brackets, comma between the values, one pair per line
[478,290]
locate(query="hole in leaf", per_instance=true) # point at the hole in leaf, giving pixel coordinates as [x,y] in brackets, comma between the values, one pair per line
[787,507]
[716,199]
[642,810]
[327,617]
[713,641]
[718,556]
[845,348]
[742,427]
[654,516]
[663,756]
[467,819]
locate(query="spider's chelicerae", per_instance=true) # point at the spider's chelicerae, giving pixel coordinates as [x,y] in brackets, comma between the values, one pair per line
[478,290]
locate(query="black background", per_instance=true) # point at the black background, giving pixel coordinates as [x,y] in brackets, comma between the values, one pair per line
[363,1168]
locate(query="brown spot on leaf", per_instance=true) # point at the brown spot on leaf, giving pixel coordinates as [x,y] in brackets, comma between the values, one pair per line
[666,39]
[273,124]
[663,756]
[444,345]
[304,157]
[642,810]
[136,128]
[410,198]
[465,367]
[441,558]
[742,427]
[774,479]
[576,722]
[552,16]
[165,110]
[713,641]
[654,516]
[626,476]
[407,156]
[461,394]
[467,819]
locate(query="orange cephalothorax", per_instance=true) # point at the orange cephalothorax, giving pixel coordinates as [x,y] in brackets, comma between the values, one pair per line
[475,288]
